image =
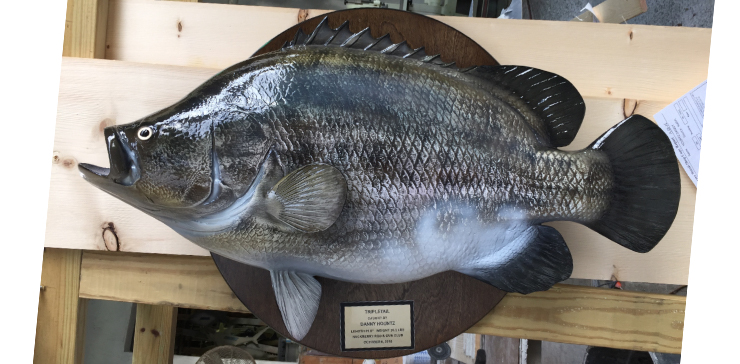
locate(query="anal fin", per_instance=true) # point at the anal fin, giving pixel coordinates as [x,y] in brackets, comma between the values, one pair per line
[298,296]
[534,261]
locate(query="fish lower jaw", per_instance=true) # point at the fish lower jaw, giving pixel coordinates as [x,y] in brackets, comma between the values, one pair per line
[91,168]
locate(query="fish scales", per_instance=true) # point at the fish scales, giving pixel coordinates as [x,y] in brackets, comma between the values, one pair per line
[457,148]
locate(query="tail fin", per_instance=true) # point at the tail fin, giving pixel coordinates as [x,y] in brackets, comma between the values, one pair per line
[647,184]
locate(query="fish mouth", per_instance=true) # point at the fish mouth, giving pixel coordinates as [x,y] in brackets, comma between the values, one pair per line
[124,169]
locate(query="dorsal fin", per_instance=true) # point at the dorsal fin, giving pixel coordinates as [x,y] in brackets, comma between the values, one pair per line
[324,35]
[552,98]
[554,106]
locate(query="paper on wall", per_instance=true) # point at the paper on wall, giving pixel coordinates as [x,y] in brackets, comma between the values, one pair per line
[683,121]
[591,10]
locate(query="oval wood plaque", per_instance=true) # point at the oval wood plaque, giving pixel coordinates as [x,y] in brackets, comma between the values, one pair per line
[444,305]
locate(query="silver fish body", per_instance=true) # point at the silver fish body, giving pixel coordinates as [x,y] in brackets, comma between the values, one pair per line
[438,169]
[383,166]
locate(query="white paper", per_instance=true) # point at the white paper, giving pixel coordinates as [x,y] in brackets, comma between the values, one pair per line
[514,11]
[591,10]
[683,121]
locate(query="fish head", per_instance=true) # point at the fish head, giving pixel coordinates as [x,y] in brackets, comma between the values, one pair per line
[161,164]
[195,157]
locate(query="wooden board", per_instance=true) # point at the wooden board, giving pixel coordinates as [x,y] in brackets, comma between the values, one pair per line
[97,93]
[154,334]
[581,315]
[591,316]
[602,60]
[61,317]
[85,28]
[184,281]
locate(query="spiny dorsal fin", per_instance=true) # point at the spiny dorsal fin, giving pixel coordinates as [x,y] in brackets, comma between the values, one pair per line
[551,97]
[324,35]
[555,102]
[300,38]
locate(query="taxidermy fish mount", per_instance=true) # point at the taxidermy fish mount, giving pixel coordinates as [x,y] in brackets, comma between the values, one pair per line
[359,159]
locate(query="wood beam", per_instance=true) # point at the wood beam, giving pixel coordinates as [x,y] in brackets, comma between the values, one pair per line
[570,314]
[632,61]
[61,317]
[85,28]
[154,334]
[60,328]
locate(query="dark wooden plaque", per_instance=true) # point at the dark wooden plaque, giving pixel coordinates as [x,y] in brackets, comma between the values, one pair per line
[446,304]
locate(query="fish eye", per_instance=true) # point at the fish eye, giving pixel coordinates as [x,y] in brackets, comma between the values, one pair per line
[145,132]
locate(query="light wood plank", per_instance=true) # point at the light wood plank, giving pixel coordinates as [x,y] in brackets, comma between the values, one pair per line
[572,314]
[184,281]
[178,30]
[61,316]
[614,11]
[603,60]
[591,316]
[154,335]
[85,28]
[97,93]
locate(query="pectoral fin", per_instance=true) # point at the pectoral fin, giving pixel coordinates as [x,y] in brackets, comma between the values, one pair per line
[534,261]
[298,296]
[310,198]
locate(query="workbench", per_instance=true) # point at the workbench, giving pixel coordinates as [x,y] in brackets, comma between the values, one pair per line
[127,58]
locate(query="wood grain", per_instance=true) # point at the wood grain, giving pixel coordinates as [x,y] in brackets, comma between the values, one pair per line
[573,314]
[154,334]
[156,279]
[61,315]
[591,316]
[614,11]
[97,93]
[602,60]
[85,28]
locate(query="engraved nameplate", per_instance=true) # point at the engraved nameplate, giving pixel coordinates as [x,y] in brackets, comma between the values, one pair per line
[377,325]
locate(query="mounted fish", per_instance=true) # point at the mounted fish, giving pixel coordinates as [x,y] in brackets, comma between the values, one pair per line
[356,159]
